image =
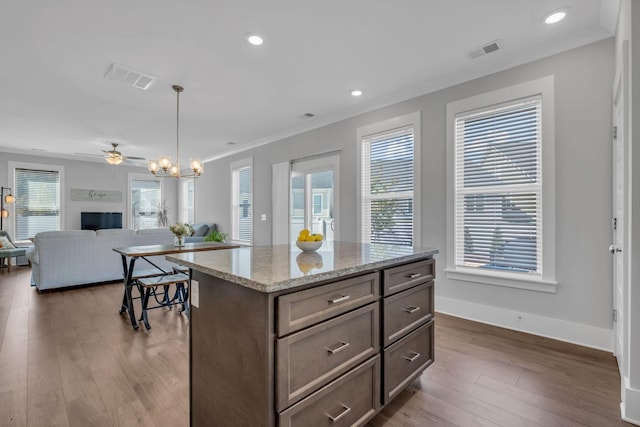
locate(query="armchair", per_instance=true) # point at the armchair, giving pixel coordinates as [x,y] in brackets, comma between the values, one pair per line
[8,251]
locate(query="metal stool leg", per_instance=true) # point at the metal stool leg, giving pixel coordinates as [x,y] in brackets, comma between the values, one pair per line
[145,302]
[185,303]
[182,298]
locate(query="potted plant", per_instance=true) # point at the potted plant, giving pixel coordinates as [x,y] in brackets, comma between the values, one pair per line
[163,215]
[216,236]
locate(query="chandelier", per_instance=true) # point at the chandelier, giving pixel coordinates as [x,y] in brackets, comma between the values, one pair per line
[163,166]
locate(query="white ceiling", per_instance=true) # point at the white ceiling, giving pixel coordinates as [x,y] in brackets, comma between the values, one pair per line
[56,101]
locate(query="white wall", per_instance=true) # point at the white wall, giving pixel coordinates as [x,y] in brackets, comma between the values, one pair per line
[89,175]
[581,308]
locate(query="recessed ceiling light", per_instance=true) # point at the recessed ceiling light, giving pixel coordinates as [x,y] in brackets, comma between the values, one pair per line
[554,17]
[356,92]
[255,39]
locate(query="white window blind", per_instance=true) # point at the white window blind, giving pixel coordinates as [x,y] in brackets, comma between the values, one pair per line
[242,204]
[388,187]
[37,206]
[498,188]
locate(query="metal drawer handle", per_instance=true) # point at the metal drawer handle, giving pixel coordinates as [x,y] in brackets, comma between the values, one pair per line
[339,299]
[341,414]
[414,275]
[411,310]
[339,348]
[412,358]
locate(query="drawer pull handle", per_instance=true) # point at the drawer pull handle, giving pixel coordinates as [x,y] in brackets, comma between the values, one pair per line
[414,275]
[411,310]
[339,299]
[412,358]
[339,348]
[345,411]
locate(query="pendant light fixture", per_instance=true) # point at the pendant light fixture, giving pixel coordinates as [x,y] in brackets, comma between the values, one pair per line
[8,199]
[163,167]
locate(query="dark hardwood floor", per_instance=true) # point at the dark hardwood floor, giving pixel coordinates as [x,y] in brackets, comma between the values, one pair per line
[68,359]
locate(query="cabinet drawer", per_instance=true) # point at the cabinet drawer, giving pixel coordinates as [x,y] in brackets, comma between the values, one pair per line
[305,308]
[309,359]
[405,360]
[353,399]
[404,311]
[403,277]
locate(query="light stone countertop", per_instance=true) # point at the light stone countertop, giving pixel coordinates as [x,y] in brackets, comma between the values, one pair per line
[282,267]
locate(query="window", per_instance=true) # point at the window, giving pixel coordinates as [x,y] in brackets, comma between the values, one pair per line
[242,200]
[187,208]
[146,202]
[498,193]
[317,204]
[389,182]
[38,202]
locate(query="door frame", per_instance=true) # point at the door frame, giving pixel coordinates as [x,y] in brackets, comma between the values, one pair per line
[620,212]
[319,163]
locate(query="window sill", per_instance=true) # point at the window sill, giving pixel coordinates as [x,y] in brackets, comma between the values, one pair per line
[505,279]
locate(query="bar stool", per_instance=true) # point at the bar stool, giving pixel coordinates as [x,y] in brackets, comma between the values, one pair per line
[148,286]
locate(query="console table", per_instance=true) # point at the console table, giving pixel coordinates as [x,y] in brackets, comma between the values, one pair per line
[280,337]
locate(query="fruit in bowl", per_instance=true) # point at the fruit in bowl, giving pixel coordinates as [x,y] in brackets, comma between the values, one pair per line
[308,242]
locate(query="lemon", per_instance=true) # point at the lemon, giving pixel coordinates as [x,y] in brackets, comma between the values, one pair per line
[310,238]
[303,234]
[318,237]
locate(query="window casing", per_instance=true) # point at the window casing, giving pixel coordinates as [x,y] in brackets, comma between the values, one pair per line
[501,221]
[389,181]
[242,201]
[38,204]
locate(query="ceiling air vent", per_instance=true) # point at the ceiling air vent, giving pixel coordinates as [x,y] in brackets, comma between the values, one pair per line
[130,77]
[483,50]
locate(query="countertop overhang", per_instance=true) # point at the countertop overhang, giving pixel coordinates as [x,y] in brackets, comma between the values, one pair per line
[282,267]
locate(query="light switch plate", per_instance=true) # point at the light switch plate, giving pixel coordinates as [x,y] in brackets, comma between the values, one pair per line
[194,293]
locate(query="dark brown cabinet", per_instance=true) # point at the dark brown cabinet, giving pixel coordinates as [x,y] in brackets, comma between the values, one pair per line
[328,353]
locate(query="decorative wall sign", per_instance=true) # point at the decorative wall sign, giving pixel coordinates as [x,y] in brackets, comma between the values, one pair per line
[82,195]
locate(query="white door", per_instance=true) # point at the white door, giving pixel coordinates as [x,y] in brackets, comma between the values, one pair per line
[314,197]
[620,203]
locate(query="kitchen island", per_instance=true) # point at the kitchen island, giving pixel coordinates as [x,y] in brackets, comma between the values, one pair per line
[284,337]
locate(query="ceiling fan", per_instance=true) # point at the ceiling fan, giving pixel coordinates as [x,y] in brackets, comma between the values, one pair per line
[115,157]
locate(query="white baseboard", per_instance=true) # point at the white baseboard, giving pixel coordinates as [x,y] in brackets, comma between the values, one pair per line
[630,405]
[576,333]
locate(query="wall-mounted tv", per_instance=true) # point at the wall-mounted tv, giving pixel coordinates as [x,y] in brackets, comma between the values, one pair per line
[100,220]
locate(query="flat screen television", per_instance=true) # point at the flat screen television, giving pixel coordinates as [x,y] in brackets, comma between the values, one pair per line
[100,220]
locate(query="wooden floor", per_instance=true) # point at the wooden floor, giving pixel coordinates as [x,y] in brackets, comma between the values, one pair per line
[68,359]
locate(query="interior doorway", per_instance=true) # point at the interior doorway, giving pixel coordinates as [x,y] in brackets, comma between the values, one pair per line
[313,193]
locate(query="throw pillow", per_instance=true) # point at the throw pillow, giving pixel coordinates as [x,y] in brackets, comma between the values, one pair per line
[200,230]
[5,243]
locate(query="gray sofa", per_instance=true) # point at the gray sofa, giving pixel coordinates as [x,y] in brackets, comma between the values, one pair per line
[77,257]
[200,231]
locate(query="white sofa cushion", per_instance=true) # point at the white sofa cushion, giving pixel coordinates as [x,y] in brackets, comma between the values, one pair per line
[76,257]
